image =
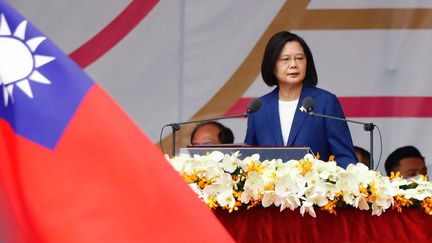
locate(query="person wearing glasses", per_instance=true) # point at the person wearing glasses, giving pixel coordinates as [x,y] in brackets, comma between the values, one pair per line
[289,66]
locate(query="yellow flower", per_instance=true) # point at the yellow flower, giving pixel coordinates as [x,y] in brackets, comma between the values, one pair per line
[254,167]
[330,206]
[203,183]
[212,202]
[304,166]
[263,183]
[373,192]
[254,203]
[394,175]
[237,194]
[235,208]
[189,178]
[400,202]
[364,190]
[269,187]
[427,205]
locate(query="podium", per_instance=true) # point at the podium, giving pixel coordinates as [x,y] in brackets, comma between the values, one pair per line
[265,152]
[349,225]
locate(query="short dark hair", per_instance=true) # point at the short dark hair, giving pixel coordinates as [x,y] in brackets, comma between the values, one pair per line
[396,156]
[225,135]
[364,154]
[272,52]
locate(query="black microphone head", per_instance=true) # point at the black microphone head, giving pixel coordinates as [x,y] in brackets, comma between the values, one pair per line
[308,104]
[255,105]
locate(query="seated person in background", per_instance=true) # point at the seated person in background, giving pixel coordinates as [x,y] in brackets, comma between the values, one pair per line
[407,160]
[211,133]
[363,156]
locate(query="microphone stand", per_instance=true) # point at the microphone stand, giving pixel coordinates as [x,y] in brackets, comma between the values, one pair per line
[176,126]
[366,126]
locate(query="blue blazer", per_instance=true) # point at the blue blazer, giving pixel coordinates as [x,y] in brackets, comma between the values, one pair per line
[324,136]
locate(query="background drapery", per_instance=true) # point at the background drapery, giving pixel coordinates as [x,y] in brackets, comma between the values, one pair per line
[193,59]
[349,225]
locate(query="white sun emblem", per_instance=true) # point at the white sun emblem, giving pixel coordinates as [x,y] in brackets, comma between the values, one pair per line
[18,62]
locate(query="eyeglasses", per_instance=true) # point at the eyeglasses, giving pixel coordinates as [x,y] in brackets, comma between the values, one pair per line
[297,58]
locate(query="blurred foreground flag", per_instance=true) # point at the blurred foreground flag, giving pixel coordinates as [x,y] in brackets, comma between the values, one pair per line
[73,166]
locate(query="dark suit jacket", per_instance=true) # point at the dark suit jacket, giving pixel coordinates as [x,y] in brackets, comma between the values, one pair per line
[324,136]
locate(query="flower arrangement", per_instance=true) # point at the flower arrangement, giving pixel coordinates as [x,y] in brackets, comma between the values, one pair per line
[225,181]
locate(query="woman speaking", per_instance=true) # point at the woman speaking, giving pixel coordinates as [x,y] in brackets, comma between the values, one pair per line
[288,64]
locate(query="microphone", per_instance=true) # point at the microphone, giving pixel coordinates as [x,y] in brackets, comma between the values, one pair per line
[308,106]
[253,106]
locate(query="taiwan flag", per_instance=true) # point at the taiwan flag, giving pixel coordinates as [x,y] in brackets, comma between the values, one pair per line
[73,166]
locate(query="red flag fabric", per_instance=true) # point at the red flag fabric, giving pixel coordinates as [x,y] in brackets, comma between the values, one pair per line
[73,166]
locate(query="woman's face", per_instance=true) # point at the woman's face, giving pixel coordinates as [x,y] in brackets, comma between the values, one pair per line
[290,67]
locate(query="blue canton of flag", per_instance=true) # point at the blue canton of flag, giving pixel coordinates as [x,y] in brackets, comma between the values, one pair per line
[40,86]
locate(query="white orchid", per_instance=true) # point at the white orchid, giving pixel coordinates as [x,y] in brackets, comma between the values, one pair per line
[230,163]
[422,190]
[361,202]
[268,198]
[222,190]
[225,180]
[383,192]
[226,198]
[355,177]
[289,190]
[249,161]
[307,207]
[253,187]
[179,161]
